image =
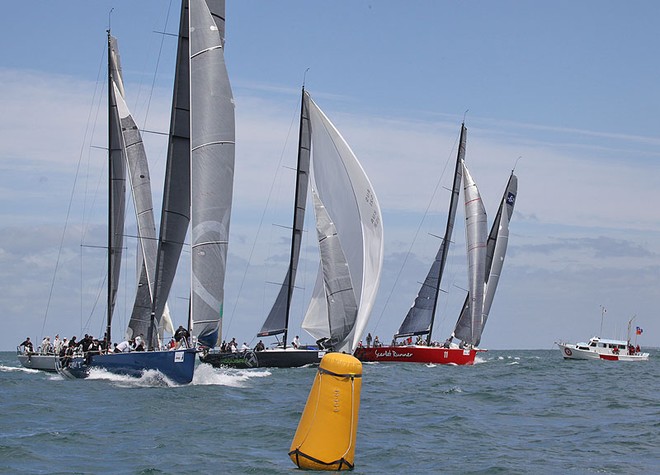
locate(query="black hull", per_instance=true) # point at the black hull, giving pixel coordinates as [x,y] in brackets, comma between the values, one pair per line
[263,359]
[179,365]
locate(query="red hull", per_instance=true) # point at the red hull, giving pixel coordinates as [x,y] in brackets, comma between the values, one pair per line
[417,354]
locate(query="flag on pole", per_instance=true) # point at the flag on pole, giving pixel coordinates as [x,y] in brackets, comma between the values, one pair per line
[639,331]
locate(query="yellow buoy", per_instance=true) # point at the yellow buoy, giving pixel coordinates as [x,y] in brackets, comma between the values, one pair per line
[325,438]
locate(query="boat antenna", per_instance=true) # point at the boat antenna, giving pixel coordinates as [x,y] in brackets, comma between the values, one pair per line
[110,19]
[304,77]
[516,164]
[603,311]
[465,114]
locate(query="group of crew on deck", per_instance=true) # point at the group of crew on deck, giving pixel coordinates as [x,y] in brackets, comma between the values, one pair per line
[232,346]
[632,350]
[88,345]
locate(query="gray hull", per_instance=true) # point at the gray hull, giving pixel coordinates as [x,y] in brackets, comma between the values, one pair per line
[37,361]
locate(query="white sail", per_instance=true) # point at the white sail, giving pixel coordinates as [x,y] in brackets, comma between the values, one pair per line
[212,144]
[352,207]
[476,229]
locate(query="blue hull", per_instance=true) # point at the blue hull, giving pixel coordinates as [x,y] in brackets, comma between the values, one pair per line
[179,365]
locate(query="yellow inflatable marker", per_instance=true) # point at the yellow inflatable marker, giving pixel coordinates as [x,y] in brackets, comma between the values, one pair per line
[325,438]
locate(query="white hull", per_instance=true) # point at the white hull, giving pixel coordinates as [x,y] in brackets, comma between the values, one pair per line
[38,361]
[581,351]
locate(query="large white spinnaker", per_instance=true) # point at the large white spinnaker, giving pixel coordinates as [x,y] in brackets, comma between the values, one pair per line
[352,208]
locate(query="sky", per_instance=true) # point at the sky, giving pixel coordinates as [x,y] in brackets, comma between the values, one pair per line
[566,92]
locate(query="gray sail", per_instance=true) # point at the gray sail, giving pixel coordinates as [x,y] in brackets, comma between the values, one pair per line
[175,214]
[278,317]
[212,166]
[138,172]
[469,331]
[495,252]
[117,181]
[419,319]
[498,240]
[340,296]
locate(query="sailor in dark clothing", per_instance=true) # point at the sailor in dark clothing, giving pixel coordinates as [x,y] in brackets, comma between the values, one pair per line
[260,346]
[181,336]
[27,346]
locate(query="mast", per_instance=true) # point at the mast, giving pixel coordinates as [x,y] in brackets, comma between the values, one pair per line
[421,315]
[453,204]
[277,320]
[108,330]
[296,233]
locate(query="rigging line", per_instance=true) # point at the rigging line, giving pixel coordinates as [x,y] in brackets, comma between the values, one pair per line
[405,260]
[160,53]
[73,190]
[261,221]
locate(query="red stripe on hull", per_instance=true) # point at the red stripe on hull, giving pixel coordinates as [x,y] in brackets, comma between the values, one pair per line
[417,354]
[609,357]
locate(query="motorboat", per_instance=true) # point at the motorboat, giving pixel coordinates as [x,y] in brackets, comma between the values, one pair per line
[602,349]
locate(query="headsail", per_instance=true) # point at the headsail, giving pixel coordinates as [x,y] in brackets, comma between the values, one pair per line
[278,317]
[352,207]
[419,319]
[498,240]
[212,166]
[475,232]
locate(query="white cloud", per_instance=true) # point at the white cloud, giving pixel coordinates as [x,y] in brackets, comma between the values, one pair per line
[585,231]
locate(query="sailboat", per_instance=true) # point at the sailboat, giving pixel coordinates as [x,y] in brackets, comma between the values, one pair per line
[485,259]
[350,237]
[198,187]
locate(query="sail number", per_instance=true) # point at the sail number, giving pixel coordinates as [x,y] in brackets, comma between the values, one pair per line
[370,198]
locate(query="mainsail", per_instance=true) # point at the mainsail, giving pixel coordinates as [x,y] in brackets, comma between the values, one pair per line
[200,168]
[175,214]
[498,240]
[117,181]
[419,319]
[278,318]
[212,166]
[352,209]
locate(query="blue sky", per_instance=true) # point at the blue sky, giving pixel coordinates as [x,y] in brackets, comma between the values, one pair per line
[570,87]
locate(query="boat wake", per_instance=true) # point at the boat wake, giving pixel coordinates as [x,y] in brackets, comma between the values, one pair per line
[207,375]
[10,369]
[149,379]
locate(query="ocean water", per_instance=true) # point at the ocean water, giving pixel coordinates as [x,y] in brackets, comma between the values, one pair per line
[514,412]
